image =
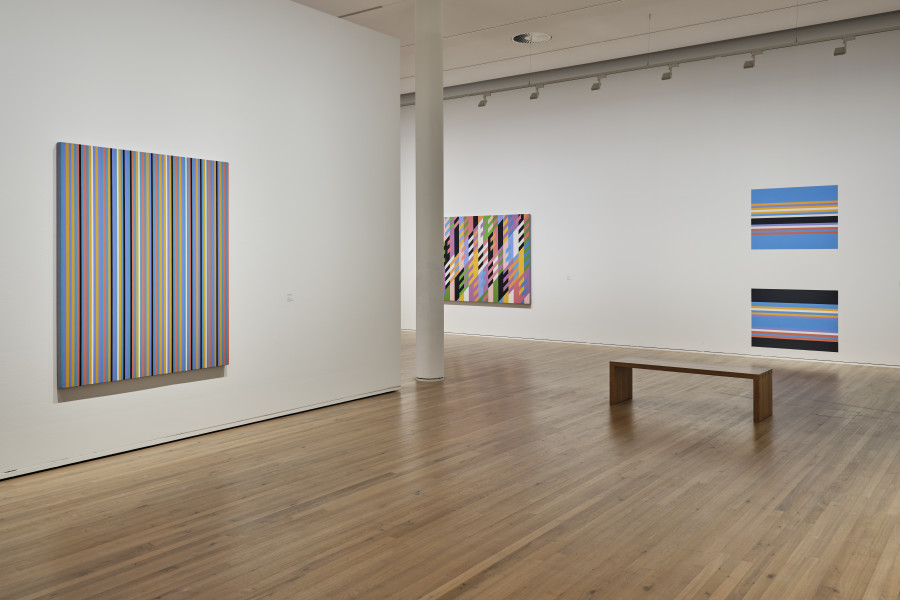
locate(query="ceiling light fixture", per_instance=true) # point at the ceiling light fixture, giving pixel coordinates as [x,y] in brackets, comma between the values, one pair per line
[839,51]
[752,62]
[842,50]
[532,38]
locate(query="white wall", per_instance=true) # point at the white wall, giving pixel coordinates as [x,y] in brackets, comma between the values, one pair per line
[273,88]
[640,195]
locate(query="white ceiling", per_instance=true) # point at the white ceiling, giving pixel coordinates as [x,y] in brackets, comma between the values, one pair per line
[478,33]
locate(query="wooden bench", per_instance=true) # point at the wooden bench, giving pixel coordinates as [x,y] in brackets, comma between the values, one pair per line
[620,379]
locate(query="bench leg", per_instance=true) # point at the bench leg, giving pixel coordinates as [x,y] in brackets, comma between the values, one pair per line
[762,397]
[619,384]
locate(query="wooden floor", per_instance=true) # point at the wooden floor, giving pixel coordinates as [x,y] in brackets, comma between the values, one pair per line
[512,479]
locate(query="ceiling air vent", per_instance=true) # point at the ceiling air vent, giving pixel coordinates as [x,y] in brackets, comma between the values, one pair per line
[532,38]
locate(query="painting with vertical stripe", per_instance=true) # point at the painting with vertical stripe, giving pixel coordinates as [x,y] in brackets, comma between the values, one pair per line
[143,264]
[794,218]
[488,259]
[795,319]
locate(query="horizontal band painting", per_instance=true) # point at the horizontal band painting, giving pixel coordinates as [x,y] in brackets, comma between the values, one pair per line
[795,319]
[143,264]
[487,259]
[794,218]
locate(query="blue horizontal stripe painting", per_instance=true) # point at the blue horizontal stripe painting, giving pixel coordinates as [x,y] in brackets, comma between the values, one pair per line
[794,218]
[794,319]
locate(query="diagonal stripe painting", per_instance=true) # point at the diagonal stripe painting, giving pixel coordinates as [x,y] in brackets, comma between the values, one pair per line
[488,259]
[143,264]
[795,319]
[792,218]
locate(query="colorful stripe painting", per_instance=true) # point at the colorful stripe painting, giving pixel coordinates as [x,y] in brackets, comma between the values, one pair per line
[143,264]
[487,259]
[795,319]
[792,218]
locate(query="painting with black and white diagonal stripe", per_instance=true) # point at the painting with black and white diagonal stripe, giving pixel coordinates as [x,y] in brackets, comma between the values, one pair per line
[487,259]
[795,319]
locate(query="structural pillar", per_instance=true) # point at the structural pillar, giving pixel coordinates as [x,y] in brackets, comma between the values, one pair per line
[429,191]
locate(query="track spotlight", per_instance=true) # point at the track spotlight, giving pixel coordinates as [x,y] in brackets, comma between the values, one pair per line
[483,101]
[596,86]
[668,74]
[536,93]
[842,49]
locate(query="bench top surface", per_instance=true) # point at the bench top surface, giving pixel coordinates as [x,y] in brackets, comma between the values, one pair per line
[688,367]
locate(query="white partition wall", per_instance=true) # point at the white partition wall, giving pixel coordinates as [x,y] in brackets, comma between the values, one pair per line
[304,109]
[640,198]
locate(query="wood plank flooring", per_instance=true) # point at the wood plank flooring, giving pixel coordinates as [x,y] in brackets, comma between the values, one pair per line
[512,479]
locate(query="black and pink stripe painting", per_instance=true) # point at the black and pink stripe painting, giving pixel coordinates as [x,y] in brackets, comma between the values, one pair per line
[487,259]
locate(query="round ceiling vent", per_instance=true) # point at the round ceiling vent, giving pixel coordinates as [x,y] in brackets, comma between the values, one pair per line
[532,38]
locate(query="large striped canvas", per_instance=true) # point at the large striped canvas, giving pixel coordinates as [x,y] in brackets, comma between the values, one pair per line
[143,264]
[791,218]
[795,319]
[488,259]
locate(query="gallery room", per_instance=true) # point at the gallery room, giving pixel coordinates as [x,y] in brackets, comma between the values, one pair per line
[450,299]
